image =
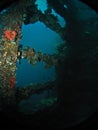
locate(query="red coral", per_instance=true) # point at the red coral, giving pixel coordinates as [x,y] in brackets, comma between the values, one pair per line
[12,82]
[9,34]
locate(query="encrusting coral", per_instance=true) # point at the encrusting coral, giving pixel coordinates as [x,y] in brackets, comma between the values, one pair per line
[9,35]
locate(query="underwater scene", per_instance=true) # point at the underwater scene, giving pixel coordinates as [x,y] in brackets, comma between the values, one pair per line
[48,63]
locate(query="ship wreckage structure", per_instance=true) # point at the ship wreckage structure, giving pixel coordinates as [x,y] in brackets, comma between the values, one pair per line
[11,51]
[75,61]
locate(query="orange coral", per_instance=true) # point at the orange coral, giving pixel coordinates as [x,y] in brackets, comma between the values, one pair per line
[9,34]
[12,82]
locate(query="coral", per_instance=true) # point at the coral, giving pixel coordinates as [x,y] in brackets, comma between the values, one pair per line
[9,35]
[12,82]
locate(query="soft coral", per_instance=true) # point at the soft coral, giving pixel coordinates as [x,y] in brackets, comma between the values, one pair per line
[9,35]
[12,82]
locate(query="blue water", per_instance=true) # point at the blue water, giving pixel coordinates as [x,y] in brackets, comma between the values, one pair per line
[42,39]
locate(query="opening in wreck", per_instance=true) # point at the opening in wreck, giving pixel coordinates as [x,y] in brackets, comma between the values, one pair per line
[42,39]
